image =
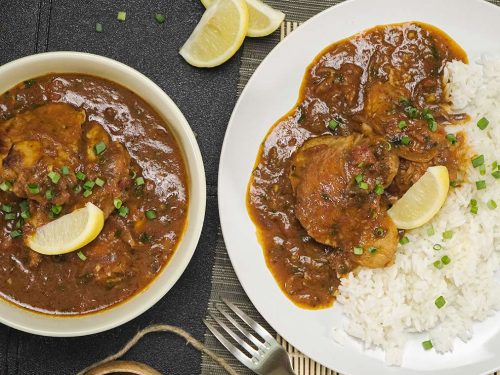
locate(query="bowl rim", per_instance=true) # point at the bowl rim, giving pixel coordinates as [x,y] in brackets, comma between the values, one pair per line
[126,310]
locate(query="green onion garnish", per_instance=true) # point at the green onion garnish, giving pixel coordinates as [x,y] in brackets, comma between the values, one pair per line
[481,185]
[54,177]
[474,210]
[430,231]
[496,174]
[10,216]
[99,182]
[160,18]
[77,189]
[357,250]
[98,27]
[89,185]
[49,194]
[5,186]
[379,190]
[437,247]
[100,148]
[16,233]
[483,123]
[404,240]
[117,203]
[482,170]
[494,165]
[56,209]
[427,345]
[452,138]
[491,204]
[121,16]
[440,302]
[87,193]
[438,264]
[333,124]
[446,259]
[402,125]
[372,250]
[405,140]
[81,256]
[65,170]
[123,211]
[139,181]
[477,161]
[379,232]
[359,178]
[33,188]
[80,175]
[6,208]
[447,234]
[151,214]
[363,185]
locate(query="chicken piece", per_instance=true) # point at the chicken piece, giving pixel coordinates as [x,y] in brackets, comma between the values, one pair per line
[335,180]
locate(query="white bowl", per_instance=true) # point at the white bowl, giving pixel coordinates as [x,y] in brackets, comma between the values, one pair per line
[76,62]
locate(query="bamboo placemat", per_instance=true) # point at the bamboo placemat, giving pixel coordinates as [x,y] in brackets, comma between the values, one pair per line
[224,281]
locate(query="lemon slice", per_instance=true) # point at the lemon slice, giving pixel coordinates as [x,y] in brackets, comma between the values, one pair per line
[68,233]
[262,19]
[218,35]
[423,200]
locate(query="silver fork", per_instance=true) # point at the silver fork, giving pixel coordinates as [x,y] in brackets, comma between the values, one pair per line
[264,357]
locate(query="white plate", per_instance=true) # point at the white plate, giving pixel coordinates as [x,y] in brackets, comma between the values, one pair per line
[270,93]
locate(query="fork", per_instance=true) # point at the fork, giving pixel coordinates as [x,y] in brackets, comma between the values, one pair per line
[264,357]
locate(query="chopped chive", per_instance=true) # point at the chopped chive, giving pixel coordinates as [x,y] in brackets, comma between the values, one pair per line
[481,185]
[123,211]
[379,232]
[117,203]
[363,185]
[496,174]
[482,170]
[25,214]
[16,233]
[98,27]
[433,126]
[10,216]
[56,209]
[49,194]
[160,18]
[87,193]
[379,190]
[483,123]
[404,240]
[494,165]
[357,250]
[139,181]
[446,260]
[361,165]
[452,138]
[80,175]
[24,206]
[19,223]
[99,182]
[100,148]
[438,264]
[402,125]
[474,210]
[77,189]
[491,204]
[473,202]
[405,140]
[132,174]
[6,208]
[477,161]
[54,177]
[430,231]
[437,247]
[427,345]
[33,188]
[81,256]
[151,214]
[440,302]
[121,16]
[5,186]
[447,234]
[333,124]
[89,185]
[65,170]
[372,250]
[359,178]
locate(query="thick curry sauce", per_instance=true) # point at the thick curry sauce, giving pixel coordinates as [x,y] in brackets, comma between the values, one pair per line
[382,94]
[69,139]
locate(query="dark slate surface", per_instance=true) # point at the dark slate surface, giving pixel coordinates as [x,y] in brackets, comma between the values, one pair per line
[206,97]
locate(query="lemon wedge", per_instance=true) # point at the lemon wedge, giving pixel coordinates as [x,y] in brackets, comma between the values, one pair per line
[423,200]
[218,35]
[68,233]
[262,19]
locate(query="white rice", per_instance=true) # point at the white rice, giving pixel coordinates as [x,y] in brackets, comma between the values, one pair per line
[383,306]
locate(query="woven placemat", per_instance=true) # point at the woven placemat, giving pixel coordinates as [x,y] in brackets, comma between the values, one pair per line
[225,284]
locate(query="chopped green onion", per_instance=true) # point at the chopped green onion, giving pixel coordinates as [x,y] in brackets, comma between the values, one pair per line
[24,205]
[482,170]
[473,202]
[139,181]
[87,193]
[372,250]
[427,345]
[474,210]
[404,240]
[49,194]
[16,233]
[25,214]
[98,27]
[430,231]
[437,247]
[151,214]
[362,164]
[65,170]
[483,123]
[54,177]
[5,186]
[160,18]
[99,182]
[123,211]
[81,256]
[496,174]
[333,124]
[132,174]
[494,165]
[100,148]
[89,185]
[10,216]
[405,140]
[447,234]
[477,161]
[56,209]
[357,250]
[379,190]
[433,126]
[121,16]
[117,203]
[438,264]
[446,260]
[379,232]
[453,183]
[77,189]
[33,188]
[363,185]
[440,302]
[402,125]
[80,175]
[359,178]
[491,204]
[452,138]
[481,185]
[6,208]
